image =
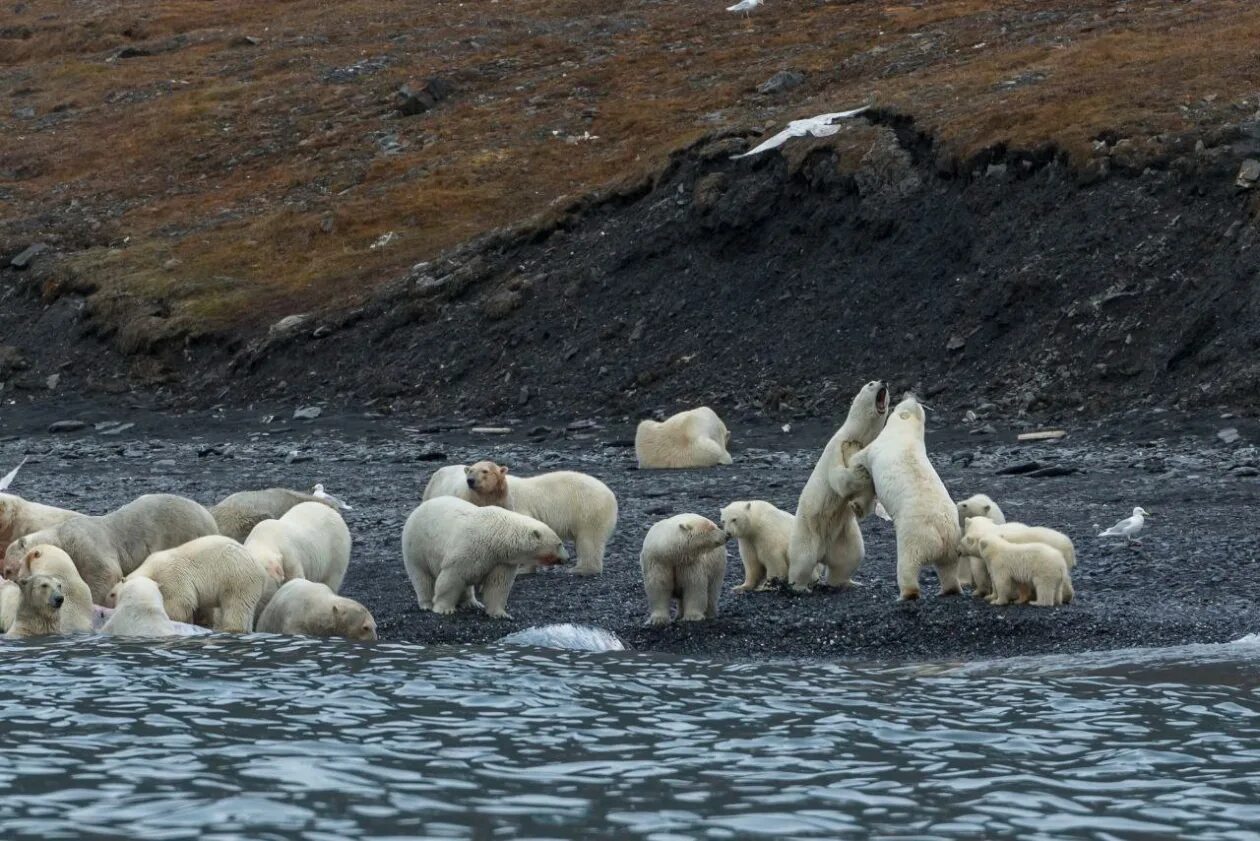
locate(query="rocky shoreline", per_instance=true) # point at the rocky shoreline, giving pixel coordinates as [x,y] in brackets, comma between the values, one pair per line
[1191,580]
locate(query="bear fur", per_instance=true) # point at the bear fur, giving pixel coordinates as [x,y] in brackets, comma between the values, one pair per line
[1035,564]
[310,541]
[20,517]
[236,515]
[924,516]
[451,480]
[139,612]
[204,574]
[106,548]
[577,507]
[764,533]
[971,568]
[694,438]
[450,546]
[76,611]
[310,609]
[1015,532]
[683,558]
[826,528]
[39,611]
[10,598]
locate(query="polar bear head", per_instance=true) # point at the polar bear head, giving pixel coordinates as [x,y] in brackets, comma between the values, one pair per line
[868,411]
[909,414]
[979,505]
[353,621]
[137,592]
[13,557]
[737,518]
[44,593]
[699,533]
[487,479]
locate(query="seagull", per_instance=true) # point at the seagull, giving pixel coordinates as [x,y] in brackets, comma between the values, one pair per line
[1129,526]
[745,6]
[824,125]
[320,493]
[11,475]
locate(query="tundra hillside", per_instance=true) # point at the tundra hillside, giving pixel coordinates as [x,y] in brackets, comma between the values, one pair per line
[530,207]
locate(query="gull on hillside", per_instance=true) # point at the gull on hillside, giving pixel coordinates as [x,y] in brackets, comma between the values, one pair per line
[745,6]
[320,493]
[1129,527]
[824,125]
[11,475]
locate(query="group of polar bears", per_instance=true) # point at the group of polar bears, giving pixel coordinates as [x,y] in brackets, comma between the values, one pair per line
[270,560]
[478,527]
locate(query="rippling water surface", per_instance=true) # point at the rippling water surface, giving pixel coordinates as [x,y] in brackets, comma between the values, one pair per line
[218,738]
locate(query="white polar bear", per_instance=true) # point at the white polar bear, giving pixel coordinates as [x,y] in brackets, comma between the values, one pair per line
[10,598]
[211,580]
[1015,532]
[451,480]
[19,517]
[577,507]
[310,609]
[236,515]
[683,558]
[971,568]
[924,515]
[106,548]
[764,533]
[39,611]
[1037,565]
[77,610]
[140,612]
[310,541]
[450,546]
[694,438]
[826,529]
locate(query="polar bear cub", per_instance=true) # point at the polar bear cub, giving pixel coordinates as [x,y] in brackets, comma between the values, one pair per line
[971,568]
[826,528]
[310,541]
[77,610]
[212,579]
[139,612]
[694,438]
[450,546]
[577,507]
[683,558]
[307,608]
[1035,564]
[763,533]
[39,611]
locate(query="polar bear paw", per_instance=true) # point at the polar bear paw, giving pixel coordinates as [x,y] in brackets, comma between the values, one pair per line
[657,620]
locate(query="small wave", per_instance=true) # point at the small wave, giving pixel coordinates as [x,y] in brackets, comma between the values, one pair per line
[572,637]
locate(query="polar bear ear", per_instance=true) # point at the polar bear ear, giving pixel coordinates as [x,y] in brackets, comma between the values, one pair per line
[748,506]
[33,554]
[684,526]
[537,534]
[336,609]
[503,471]
[984,543]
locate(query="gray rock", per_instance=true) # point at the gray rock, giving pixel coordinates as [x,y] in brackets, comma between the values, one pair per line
[1228,435]
[1248,173]
[987,429]
[416,99]
[307,413]
[287,325]
[784,80]
[1245,471]
[66,426]
[24,259]
[586,423]
[295,457]
[52,381]
[112,427]
[996,171]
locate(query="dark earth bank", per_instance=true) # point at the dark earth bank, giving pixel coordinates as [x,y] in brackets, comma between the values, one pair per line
[1192,580]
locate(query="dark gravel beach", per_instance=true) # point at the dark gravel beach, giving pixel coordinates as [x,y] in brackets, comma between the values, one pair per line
[1192,579]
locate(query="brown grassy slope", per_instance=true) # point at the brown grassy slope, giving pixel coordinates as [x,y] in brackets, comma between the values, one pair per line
[224,184]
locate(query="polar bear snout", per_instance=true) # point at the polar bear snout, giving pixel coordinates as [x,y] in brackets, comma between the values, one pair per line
[554,558]
[56,600]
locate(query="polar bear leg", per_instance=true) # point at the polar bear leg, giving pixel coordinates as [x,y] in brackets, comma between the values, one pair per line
[980,576]
[469,598]
[495,588]
[909,562]
[754,572]
[695,596]
[659,591]
[947,573]
[422,583]
[805,550]
[448,590]
[1003,588]
[1066,593]
[715,592]
[590,553]
[236,615]
[965,576]
[1047,590]
[843,557]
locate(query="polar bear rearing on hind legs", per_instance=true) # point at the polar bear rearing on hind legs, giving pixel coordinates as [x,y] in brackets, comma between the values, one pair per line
[826,528]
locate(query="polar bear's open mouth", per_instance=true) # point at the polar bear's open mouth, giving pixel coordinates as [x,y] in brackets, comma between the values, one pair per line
[881,400]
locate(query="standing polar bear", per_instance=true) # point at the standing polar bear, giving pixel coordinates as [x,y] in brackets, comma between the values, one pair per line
[694,438]
[208,577]
[139,612]
[826,528]
[310,541]
[77,610]
[106,548]
[236,515]
[19,517]
[451,546]
[979,526]
[309,609]
[1035,565]
[971,568]
[923,514]
[683,558]
[764,533]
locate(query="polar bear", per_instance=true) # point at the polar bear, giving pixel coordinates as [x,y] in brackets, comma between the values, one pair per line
[450,546]
[1015,532]
[108,547]
[764,533]
[694,438]
[451,480]
[203,575]
[1035,564]
[39,611]
[77,610]
[971,568]
[683,558]
[924,515]
[310,541]
[310,609]
[10,598]
[140,612]
[577,507]
[20,516]
[236,515]
[826,529]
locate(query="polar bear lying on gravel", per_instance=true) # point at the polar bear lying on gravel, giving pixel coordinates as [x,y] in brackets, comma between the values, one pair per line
[310,541]
[764,533]
[451,546]
[683,558]
[695,438]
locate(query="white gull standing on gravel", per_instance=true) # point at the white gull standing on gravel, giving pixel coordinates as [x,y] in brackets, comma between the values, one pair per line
[1129,527]
[320,493]
[824,125]
[745,6]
